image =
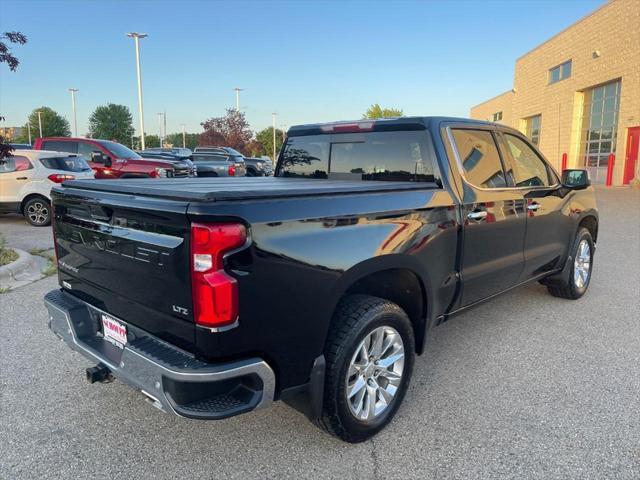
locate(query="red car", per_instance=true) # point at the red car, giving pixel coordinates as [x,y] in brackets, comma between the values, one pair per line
[112,159]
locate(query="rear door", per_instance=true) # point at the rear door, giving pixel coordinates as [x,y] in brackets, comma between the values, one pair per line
[549,229]
[15,173]
[129,256]
[493,215]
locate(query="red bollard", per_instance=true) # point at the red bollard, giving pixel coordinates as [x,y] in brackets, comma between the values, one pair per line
[612,160]
[564,162]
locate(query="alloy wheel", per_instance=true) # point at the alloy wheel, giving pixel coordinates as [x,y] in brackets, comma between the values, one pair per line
[582,264]
[375,373]
[38,212]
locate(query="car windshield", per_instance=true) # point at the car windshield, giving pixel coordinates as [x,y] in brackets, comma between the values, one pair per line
[68,164]
[120,150]
[232,151]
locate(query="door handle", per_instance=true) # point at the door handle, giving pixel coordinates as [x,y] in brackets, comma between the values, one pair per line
[533,207]
[477,215]
[21,178]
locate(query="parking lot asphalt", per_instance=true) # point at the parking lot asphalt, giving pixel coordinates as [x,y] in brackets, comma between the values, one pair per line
[19,234]
[526,386]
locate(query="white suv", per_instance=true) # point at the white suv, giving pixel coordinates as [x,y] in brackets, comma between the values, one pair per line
[26,179]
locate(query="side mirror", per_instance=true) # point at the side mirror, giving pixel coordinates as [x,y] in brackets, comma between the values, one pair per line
[575,179]
[99,157]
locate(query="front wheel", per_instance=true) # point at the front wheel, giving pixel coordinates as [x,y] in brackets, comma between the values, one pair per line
[370,356]
[576,283]
[37,211]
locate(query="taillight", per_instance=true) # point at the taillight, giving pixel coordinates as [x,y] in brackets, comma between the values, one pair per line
[59,177]
[232,170]
[215,292]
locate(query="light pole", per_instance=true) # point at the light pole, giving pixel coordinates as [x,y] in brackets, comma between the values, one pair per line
[160,122]
[273,118]
[73,107]
[238,90]
[40,122]
[284,133]
[29,130]
[184,136]
[136,37]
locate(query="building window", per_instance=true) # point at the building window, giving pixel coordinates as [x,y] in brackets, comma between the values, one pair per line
[599,123]
[497,116]
[560,72]
[532,129]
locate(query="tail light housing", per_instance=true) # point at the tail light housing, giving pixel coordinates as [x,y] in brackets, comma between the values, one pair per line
[59,177]
[215,292]
[232,170]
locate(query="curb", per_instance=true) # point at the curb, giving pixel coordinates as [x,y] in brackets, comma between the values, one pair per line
[27,268]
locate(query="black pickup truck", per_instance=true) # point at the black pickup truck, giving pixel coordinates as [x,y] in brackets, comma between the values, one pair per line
[215,297]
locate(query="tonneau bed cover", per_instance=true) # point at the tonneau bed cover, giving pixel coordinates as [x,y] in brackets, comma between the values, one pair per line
[242,188]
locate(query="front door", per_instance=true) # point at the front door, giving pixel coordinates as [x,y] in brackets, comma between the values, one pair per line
[494,218]
[631,158]
[549,230]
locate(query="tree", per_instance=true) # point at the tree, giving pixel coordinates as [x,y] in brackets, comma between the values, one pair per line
[232,130]
[265,137]
[376,111]
[13,62]
[255,148]
[112,122]
[191,139]
[5,52]
[53,125]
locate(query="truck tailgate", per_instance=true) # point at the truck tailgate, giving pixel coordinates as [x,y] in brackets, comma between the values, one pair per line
[128,256]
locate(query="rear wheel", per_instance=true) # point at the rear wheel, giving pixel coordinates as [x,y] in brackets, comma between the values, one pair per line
[37,211]
[370,356]
[576,283]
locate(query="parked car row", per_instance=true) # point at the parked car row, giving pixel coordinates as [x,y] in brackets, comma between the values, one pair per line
[26,178]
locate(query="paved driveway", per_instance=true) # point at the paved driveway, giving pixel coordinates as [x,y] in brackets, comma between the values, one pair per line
[528,386]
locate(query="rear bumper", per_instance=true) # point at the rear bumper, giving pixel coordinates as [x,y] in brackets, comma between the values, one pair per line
[172,380]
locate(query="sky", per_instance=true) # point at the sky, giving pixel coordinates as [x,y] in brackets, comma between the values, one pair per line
[307,61]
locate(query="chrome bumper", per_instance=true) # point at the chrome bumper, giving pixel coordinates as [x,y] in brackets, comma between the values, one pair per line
[172,379]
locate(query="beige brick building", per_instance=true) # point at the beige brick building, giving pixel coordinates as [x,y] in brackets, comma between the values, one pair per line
[579,93]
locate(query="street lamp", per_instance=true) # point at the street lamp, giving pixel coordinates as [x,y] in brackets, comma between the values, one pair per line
[184,136]
[273,118]
[73,106]
[238,90]
[29,130]
[40,122]
[136,37]
[161,134]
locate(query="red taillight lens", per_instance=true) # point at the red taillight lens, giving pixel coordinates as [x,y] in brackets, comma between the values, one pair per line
[352,127]
[59,178]
[215,293]
[232,170]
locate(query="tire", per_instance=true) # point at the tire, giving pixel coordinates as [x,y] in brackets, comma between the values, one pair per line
[359,319]
[250,173]
[576,282]
[37,211]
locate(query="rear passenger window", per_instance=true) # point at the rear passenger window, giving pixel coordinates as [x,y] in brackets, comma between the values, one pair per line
[16,163]
[480,158]
[71,147]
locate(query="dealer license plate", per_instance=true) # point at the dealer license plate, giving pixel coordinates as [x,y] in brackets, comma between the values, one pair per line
[114,331]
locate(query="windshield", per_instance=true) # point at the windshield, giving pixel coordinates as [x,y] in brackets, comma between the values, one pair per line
[232,151]
[68,164]
[120,150]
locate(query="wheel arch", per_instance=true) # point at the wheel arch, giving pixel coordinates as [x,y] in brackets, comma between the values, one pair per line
[395,279]
[590,222]
[29,197]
